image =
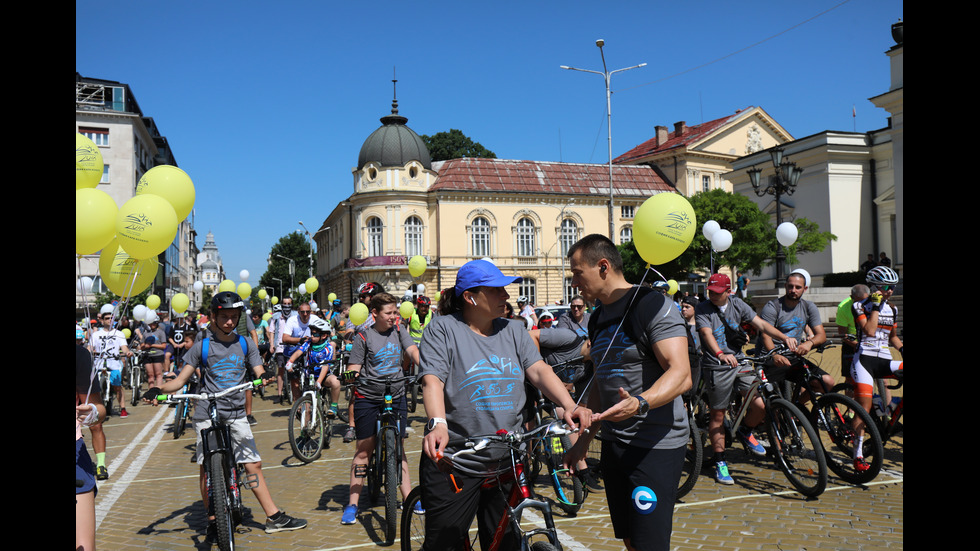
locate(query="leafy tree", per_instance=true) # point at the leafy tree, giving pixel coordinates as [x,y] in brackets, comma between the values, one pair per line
[292,246]
[454,145]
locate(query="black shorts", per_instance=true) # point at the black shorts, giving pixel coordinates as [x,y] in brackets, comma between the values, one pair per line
[640,488]
[366,416]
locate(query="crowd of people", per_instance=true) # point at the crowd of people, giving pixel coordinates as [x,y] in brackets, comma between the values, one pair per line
[630,353]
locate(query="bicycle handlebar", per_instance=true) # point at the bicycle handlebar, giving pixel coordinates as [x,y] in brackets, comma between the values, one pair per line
[476,443]
[212,395]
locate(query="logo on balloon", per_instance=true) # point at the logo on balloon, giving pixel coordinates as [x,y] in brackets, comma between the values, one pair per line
[137,222]
[644,500]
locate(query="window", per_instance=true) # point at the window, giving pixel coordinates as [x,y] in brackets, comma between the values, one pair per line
[413,236]
[706,183]
[527,288]
[105,174]
[525,237]
[376,230]
[625,234]
[100,136]
[480,237]
[569,291]
[627,211]
[569,232]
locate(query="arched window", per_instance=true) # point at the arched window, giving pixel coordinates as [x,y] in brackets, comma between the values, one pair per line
[528,287]
[413,236]
[625,234]
[569,233]
[375,230]
[480,237]
[525,237]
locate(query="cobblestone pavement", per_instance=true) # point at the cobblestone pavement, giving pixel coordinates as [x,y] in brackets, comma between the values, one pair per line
[152,499]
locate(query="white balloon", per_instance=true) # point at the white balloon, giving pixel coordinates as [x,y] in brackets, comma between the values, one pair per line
[709,228]
[420,288]
[139,312]
[198,286]
[302,288]
[84,285]
[786,234]
[721,240]
[243,275]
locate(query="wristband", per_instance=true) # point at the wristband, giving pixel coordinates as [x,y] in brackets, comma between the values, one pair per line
[720,354]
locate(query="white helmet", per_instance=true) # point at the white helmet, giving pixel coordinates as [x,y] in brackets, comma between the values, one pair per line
[106,309]
[320,325]
[882,275]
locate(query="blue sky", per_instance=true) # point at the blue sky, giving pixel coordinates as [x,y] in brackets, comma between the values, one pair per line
[266,104]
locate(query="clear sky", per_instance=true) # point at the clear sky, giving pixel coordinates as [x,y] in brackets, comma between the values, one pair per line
[266,104]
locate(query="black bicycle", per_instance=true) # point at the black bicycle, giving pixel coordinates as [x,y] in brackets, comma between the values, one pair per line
[546,452]
[224,476]
[310,421]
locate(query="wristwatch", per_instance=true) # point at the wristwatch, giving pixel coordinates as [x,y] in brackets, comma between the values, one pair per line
[644,406]
[435,421]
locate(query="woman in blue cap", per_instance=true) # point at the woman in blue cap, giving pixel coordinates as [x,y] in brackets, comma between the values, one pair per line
[473,366]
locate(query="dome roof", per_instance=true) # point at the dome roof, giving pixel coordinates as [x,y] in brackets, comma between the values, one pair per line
[394,144]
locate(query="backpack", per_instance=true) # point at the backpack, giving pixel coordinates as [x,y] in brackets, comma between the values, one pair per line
[207,341]
[631,326]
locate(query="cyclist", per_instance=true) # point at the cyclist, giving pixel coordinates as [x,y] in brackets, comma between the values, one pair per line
[226,366]
[317,350]
[106,345]
[718,322]
[877,324]
[89,412]
[365,292]
[846,328]
[277,326]
[377,353]
[473,367]
[576,318]
[155,345]
[417,322]
[545,320]
[526,311]
[181,338]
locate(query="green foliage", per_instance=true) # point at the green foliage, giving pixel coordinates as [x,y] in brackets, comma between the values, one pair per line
[292,246]
[454,145]
[109,296]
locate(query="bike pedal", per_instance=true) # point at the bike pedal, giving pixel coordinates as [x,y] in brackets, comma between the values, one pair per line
[250,481]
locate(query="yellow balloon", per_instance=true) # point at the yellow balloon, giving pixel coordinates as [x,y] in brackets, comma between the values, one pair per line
[663,227]
[358,313]
[244,290]
[672,287]
[180,302]
[226,285]
[406,309]
[117,269]
[95,220]
[266,316]
[88,163]
[171,183]
[262,294]
[152,302]
[146,225]
[416,265]
[127,333]
[275,300]
[312,285]
[331,297]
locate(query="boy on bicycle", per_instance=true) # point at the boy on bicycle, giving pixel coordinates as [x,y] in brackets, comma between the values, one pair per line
[227,362]
[317,350]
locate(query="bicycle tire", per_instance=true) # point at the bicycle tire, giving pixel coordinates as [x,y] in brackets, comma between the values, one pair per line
[795,446]
[884,431]
[107,394]
[838,437]
[392,465]
[135,383]
[693,460]
[221,502]
[180,418]
[412,523]
[306,435]
[568,488]
[412,397]
[543,546]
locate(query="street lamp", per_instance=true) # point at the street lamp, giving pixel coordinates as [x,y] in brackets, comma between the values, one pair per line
[606,75]
[784,182]
[292,268]
[311,246]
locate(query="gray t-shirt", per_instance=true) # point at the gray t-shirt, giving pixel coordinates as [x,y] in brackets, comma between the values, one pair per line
[380,356]
[791,321]
[634,367]
[483,377]
[559,345]
[708,315]
[226,367]
[156,354]
[581,328]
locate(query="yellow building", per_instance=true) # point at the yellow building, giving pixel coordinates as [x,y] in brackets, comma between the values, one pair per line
[523,215]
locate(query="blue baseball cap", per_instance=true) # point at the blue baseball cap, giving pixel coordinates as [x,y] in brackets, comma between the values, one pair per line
[476,273]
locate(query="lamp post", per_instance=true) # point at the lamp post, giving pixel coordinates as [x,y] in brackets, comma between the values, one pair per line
[280,286]
[784,182]
[292,269]
[606,74]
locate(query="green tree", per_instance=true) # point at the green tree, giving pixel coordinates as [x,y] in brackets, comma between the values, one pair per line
[292,246]
[454,145]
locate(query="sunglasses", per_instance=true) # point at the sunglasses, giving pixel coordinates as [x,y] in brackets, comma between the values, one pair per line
[305,311]
[884,287]
[577,306]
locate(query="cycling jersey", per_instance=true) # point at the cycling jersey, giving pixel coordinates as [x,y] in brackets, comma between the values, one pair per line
[878,344]
[316,354]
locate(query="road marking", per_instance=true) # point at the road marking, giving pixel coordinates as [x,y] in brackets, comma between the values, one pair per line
[105,502]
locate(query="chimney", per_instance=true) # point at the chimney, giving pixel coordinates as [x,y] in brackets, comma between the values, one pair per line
[680,128]
[661,135]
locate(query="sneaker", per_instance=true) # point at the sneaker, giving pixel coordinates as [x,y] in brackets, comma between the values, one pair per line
[101,473]
[751,444]
[860,465]
[590,482]
[721,473]
[211,537]
[251,420]
[419,510]
[350,515]
[123,413]
[350,435]
[332,412]
[283,523]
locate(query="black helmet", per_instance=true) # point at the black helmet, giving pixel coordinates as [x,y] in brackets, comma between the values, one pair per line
[226,300]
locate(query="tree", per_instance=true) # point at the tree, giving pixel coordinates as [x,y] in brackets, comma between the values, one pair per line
[292,246]
[454,145]
[753,246]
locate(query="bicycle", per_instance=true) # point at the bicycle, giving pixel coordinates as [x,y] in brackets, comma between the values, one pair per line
[518,500]
[310,424]
[694,455]
[137,374]
[885,421]
[224,476]
[834,416]
[794,445]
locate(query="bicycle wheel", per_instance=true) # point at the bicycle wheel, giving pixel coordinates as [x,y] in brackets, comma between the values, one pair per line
[595,452]
[413,524]
[412,397]
[833,416]
[392,466]
[180,418]
[136,381]
[693,460]
[795,446]
[107,393]
[306,425]
[543,546]
[568,488]
[221,502]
